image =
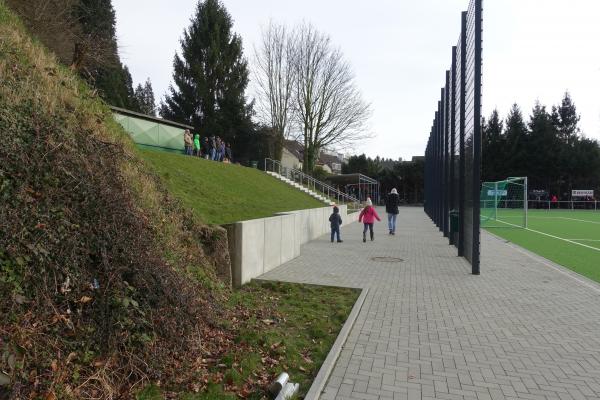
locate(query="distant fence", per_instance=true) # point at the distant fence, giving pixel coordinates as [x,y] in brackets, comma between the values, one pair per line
[453,155]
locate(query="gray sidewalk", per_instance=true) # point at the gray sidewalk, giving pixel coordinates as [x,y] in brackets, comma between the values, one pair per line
[428,329]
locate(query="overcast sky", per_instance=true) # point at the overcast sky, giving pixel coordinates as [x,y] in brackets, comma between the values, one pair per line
[400,50]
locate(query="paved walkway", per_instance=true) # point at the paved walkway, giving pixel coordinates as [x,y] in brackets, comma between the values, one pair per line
[428,329]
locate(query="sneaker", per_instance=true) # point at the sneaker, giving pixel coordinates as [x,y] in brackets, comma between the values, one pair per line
[340,241]
[364,239]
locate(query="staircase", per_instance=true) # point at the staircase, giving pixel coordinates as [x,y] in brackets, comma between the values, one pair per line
[311,186]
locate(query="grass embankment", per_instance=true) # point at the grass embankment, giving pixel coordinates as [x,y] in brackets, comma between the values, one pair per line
[284,327]
[221,193]
[574,242]
[106,283]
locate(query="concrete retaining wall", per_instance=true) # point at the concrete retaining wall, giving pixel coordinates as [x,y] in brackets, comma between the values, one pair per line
[260,245]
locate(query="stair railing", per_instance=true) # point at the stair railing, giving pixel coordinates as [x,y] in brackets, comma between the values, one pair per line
[311,183]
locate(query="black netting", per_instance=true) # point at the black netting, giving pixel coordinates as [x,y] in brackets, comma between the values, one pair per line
[453,152]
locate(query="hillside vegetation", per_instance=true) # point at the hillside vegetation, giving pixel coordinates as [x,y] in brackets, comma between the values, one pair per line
[95,257]
[223,193]
[109,287]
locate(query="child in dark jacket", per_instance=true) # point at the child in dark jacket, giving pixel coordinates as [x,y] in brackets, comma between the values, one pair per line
[336,221]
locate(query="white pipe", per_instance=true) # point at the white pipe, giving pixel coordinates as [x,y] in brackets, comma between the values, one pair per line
[279,383]
[288,391]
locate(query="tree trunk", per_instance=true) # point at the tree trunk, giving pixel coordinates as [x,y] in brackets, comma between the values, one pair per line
[309,159]
[278,146]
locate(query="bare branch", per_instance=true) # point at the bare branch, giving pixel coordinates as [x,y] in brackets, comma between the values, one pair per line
[328,106]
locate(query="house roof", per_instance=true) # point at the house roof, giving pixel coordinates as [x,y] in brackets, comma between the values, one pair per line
[329,159]
[295,148]
[150,118]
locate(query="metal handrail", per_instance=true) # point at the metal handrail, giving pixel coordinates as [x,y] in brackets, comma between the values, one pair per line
[311,183]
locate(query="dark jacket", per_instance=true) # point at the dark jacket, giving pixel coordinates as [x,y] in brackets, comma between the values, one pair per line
[335,220]
[391,203]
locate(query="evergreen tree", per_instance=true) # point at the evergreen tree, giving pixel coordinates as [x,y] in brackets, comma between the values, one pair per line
[543,161]
[516,144]
[492,146]
[568,120]
[210,77]
[144,98]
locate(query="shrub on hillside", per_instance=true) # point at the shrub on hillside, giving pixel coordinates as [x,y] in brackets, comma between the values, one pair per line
[95,258]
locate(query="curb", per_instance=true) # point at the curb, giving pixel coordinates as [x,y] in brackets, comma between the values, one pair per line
[580,279]
[321,379]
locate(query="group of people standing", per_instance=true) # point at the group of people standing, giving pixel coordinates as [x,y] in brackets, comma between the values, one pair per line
[210,148]
[367,216]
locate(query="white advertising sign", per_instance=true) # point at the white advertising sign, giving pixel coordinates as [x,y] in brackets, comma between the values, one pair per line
[498,193]
[582,193]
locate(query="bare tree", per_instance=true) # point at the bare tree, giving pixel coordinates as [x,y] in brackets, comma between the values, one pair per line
[274,77]
[328,106]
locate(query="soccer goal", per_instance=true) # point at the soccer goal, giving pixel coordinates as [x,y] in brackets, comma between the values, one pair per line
[504,203]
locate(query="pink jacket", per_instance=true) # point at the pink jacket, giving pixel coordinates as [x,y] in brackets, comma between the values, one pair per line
[368,215]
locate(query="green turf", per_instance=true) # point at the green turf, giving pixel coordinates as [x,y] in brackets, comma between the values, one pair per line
[576,241]
[221,193]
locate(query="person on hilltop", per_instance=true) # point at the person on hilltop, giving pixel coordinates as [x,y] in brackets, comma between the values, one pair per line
[228,152]
[212,147]
[187,142]
[197,144]
[205,152]
[367,216]
[391,208]
[336,220]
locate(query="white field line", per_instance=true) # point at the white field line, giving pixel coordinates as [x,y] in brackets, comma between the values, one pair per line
[567,218]
[586,240]
[555,237]
[543,261]
[580,220]
[563,239]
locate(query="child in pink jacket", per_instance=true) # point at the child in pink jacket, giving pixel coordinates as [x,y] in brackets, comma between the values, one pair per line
[368,215]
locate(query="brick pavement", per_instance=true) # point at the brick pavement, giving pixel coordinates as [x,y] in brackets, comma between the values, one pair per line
[428,329]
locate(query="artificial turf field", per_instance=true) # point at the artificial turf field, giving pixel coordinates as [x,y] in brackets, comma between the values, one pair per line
[568,237]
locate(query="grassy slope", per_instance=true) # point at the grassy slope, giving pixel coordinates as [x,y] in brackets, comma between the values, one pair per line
[223,193]
[582,260]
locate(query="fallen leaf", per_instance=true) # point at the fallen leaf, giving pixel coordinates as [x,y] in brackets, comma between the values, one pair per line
[51,396]
[54,365]
[85,299]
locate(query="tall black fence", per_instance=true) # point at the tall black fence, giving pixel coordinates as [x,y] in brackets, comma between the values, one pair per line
[453,155]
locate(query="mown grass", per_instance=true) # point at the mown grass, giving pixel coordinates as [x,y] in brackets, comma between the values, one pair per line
[291,328]
[221,193]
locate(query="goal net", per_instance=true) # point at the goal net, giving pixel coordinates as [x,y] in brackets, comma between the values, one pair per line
[504,203]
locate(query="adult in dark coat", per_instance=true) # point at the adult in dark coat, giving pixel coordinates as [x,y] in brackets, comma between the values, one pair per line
[391,207]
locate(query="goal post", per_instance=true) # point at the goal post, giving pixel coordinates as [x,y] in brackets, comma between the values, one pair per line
[504,203]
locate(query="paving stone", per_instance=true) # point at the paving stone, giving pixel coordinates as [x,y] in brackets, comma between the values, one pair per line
[428,329]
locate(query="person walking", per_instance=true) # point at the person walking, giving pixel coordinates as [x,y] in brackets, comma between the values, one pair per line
[188,142]
[391,208]
[336,220]
[197,144]
[367,216]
